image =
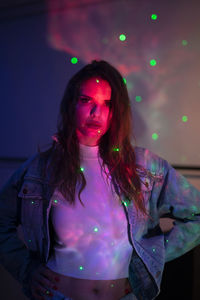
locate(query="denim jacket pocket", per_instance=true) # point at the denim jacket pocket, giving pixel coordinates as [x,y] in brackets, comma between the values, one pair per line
[31,189]
[31,194]
[148,181]
[146,188]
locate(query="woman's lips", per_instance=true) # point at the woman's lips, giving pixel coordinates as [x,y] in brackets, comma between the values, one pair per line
[94,126]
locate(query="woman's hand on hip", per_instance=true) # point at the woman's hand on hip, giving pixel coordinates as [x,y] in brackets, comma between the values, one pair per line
[41,280]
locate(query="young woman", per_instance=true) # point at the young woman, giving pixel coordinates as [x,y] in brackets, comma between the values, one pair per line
[90,206]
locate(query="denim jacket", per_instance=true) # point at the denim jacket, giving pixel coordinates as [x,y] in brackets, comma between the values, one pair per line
[25,201]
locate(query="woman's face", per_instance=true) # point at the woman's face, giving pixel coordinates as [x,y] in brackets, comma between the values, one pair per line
[93,111]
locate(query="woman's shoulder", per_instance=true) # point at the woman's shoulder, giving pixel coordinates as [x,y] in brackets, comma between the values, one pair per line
[34,166]
[147,154]
[150,161]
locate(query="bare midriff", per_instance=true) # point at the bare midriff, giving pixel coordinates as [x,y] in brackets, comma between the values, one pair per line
[84,289]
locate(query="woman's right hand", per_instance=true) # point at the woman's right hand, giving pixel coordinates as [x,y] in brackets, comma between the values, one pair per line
[41,281]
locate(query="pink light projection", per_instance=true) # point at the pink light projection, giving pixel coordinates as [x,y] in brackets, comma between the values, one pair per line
[159,57]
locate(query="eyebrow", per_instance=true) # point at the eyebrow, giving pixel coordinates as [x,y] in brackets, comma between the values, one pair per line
[82,95]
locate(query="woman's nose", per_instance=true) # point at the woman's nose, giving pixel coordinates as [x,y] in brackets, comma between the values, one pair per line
[95,110]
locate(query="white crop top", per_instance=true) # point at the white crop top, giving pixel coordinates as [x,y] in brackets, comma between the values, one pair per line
[91,242]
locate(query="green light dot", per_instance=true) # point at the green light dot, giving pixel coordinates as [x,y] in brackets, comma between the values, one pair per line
[47,292]
[116,149]
[124,80]
[74,60]
[193,214]
[55,201]
[154,250]
[153,62]
[154,136]
[184,42]
[81,268]
[112,285]
[167,241]
[138,98]
[184,118]
[32,202]
[81,169]
[126,202]
[154,17]
[97,80]
[96,229]
[122,37]
[29,241]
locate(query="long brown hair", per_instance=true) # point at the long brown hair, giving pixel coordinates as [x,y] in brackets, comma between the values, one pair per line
[115,147]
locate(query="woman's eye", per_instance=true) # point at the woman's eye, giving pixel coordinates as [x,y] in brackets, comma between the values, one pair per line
[87,100]
[84,100]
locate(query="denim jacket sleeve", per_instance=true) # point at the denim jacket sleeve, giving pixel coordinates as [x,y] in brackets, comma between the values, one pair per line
[14,255]
[180,201]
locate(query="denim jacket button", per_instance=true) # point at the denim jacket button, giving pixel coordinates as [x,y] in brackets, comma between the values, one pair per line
[25,191]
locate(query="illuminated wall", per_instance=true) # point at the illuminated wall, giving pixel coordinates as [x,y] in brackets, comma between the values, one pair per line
[155,44]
